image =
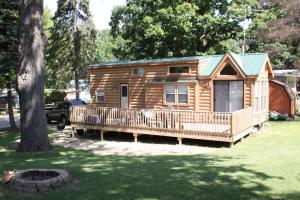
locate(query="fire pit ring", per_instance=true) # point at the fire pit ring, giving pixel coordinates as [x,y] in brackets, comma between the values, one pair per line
[39,180]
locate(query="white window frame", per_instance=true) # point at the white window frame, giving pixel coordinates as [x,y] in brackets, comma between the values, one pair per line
[176,94]
[261,96]
[97,95]
[165,94]
[141,71]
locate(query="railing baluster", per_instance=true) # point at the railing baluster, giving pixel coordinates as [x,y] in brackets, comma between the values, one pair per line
[149,119]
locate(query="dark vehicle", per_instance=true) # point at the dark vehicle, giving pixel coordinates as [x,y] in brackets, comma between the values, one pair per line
[60,111]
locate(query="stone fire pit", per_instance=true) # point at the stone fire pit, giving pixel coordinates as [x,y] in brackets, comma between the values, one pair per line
[39,180]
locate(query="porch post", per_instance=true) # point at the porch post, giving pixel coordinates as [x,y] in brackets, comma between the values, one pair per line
[102,135]
[179,141]
[135,135]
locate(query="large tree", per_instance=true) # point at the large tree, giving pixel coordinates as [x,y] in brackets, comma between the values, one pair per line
[72,45]
[151,28]
[30,78]
[9,16]
[277,31]
[287,25]
[105,45]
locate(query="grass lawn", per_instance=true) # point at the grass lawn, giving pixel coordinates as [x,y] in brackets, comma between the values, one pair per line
[266,166]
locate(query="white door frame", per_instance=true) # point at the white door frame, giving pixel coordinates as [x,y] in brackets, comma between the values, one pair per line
[124,97]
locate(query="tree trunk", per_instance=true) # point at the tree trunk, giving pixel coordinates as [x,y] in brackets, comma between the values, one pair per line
[77,84]
[30,83]
[76,49]
[11,111]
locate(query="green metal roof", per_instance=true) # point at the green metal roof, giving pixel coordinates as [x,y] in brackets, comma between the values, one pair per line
[145,61]
[249,63]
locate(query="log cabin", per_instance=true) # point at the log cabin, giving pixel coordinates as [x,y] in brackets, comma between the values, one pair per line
[215,97]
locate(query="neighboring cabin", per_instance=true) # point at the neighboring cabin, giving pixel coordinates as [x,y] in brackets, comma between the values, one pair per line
[290,77]
[217,83]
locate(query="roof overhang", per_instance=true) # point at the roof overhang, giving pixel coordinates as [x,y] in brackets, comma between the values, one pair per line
[171,81]
[148,62]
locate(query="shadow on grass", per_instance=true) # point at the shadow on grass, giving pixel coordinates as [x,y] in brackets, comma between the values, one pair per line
[144,178]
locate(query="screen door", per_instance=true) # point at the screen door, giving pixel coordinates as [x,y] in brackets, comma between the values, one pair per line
[228,96]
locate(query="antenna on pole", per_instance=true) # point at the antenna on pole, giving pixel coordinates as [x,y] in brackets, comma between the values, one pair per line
[246,9]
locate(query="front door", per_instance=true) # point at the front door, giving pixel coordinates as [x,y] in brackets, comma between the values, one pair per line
[124,95]
[228,96]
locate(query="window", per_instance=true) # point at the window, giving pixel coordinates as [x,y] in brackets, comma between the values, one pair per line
[228,70]
[100,96]
[182,94]
[138,71]
[170,93]
[176,94]
[261,95]
[179,70]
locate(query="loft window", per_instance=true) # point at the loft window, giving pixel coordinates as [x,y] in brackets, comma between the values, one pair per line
[179,70]
[138,71]
[100,96]
[228,70]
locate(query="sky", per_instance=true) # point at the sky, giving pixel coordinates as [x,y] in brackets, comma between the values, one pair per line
[101,10]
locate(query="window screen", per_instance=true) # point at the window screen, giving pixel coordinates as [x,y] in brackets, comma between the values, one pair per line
[170,93]
[182,94]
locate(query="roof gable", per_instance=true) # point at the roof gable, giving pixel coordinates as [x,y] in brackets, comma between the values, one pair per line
[248,64]
[228,59]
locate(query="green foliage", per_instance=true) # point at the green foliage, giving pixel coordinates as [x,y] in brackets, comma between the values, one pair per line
[279,52]
[72,43]
[48,22]
[282,52]
[151,28]
[264,167]
[9,57]
[105,46]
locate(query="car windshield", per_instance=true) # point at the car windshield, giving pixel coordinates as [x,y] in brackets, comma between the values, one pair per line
[61,105]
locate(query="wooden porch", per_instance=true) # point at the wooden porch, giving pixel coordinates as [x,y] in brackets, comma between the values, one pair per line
[214,126]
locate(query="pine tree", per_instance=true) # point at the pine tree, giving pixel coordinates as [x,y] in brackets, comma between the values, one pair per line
[72,42]
[9,16]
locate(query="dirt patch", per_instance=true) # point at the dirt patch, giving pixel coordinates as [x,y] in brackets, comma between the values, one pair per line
[127,146]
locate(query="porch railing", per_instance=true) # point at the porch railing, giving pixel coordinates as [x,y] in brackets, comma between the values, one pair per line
[160,119]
